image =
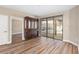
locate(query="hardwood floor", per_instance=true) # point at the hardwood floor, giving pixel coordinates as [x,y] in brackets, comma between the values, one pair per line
[40,45]
[16,38]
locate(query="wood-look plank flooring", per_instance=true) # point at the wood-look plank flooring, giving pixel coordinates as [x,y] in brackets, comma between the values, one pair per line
[40,45]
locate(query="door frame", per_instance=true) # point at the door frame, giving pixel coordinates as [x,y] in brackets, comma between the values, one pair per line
[17,18]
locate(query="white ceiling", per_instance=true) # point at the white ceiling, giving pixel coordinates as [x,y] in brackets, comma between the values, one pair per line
[40,10]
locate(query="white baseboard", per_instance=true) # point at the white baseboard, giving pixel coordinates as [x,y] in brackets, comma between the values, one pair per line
[2,43]
[71,42]
[20,33]
[17,33]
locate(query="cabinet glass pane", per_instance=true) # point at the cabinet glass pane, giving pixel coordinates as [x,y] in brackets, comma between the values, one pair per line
[35,24]
[32,24]
[29,24]
[25,23]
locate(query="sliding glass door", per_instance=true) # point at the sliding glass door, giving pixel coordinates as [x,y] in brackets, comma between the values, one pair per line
[43,28]
[58,28]
[52,27]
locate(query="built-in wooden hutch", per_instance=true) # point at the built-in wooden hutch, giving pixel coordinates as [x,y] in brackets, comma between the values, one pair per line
[30,27]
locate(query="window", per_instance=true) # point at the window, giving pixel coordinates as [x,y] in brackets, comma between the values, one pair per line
[52,27]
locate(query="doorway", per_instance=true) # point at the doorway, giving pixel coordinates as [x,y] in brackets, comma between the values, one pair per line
[52,27]
[17,29]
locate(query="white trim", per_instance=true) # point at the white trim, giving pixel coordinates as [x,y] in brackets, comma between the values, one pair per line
[71,42]
[17,33]
[17,18]
[2,43]
[10,29]
[23,29]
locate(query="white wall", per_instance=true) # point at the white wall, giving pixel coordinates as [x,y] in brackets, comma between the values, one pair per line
[73,25]
[70,25]
[66,26]
[4,29]
[16,26]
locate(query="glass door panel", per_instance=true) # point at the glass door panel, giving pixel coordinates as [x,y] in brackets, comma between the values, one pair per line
[43,28]
[50,28]
[58,28]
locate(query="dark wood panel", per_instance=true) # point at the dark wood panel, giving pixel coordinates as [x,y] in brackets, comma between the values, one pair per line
[30,32]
